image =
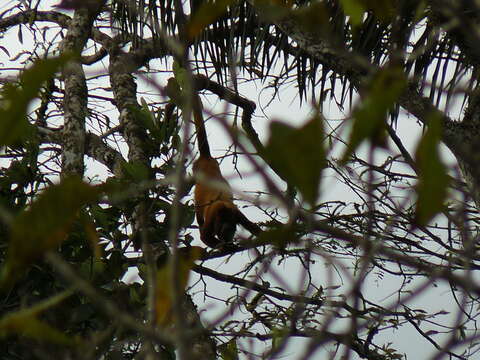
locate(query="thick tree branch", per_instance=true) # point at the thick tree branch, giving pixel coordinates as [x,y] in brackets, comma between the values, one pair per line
[95,147]
[204,83]
[98,150]
[29,16]
[75,100]
[143,223]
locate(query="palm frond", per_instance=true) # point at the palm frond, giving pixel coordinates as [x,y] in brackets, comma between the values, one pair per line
[240,38]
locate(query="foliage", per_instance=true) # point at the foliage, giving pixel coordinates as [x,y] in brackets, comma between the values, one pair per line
[302,164]
[95,179]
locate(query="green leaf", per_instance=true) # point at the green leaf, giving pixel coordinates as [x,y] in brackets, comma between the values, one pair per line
[106,218]
[148,117]
[433,179]
[383,10]
[354,9]
[25,323]
[45,224]
[147,120]
[168,127]
[164,291]
[229,350]
[14,126]
[174,91]
[278,336]
[181,80]
[136,171]
[273,10]
[298,155]
[207,13]
[370,115]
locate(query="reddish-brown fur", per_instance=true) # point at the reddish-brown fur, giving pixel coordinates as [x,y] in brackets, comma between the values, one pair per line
[216,214]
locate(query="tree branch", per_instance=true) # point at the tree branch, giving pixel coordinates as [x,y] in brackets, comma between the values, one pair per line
[29,16]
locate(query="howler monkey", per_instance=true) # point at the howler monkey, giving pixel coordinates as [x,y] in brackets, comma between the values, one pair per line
[217,215]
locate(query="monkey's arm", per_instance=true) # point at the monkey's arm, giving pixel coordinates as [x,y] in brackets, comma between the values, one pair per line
[207,232]
[247,224]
